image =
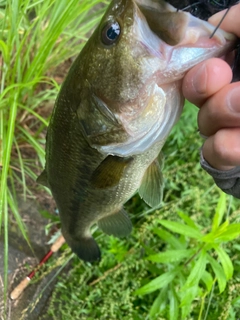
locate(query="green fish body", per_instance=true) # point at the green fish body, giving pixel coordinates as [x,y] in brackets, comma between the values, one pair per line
[114,112]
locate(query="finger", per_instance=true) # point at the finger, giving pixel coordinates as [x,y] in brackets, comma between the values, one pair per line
[231,22]
[222,150]
[205,79]
[222,110]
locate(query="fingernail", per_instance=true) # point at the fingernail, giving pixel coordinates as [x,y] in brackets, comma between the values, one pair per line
[233,99]
[200,80]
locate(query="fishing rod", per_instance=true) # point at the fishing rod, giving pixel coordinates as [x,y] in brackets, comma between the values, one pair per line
[17,291]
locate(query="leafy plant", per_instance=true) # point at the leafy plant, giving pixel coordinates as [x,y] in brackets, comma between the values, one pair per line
[191,261]
[188,277]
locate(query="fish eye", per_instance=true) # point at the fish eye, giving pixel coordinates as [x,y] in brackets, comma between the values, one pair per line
[111,33]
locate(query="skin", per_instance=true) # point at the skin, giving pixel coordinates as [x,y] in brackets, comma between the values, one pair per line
[208,86]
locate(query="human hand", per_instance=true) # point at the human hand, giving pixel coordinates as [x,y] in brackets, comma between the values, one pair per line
[208,86]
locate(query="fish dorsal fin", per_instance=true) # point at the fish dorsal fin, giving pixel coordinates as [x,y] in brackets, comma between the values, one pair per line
[151,189]
[43,180]
[109,172]
[117,224]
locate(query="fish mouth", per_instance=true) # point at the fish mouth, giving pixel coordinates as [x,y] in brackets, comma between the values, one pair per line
[163,20]
[176,27]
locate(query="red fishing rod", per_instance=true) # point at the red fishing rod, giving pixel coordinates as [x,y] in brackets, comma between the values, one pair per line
[24,283]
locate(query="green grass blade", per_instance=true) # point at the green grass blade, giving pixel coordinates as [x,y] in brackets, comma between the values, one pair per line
[5,213]
[21,226]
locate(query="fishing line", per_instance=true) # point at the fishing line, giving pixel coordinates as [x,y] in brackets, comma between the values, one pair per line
[224,16]
[191,6]
[220,22]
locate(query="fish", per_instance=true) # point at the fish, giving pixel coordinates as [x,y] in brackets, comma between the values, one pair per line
[114,111]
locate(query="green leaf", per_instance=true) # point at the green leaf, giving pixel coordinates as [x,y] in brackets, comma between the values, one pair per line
[171,255]
[222,228]
[169,238]
[219,273]
[208,280]
[173,305]
[181,229]
[221,207]
[212,236]
[157,283]
[231,232]
[188,295]
[159,303]
[187,220]
[49,216]
[225,261]
[197,270]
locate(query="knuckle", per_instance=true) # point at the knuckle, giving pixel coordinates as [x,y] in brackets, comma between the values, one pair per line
[221,151]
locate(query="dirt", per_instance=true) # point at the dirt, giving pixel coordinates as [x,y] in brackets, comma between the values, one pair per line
[21,261]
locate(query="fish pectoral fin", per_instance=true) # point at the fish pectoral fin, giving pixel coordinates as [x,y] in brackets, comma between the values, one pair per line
[151,189]
[117,224]
[109,172]
[43,180]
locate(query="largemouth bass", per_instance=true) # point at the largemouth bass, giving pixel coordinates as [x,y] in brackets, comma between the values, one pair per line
[114,112]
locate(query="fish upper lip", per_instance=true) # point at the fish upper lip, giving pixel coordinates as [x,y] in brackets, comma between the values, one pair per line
[188,29]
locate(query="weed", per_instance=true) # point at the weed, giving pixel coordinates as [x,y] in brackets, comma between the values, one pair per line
[35,38]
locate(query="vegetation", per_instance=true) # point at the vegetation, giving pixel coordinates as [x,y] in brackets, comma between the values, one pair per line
[36,37]
[181,261]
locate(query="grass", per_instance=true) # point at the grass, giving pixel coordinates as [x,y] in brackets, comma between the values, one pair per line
[35,38]
[181,260]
